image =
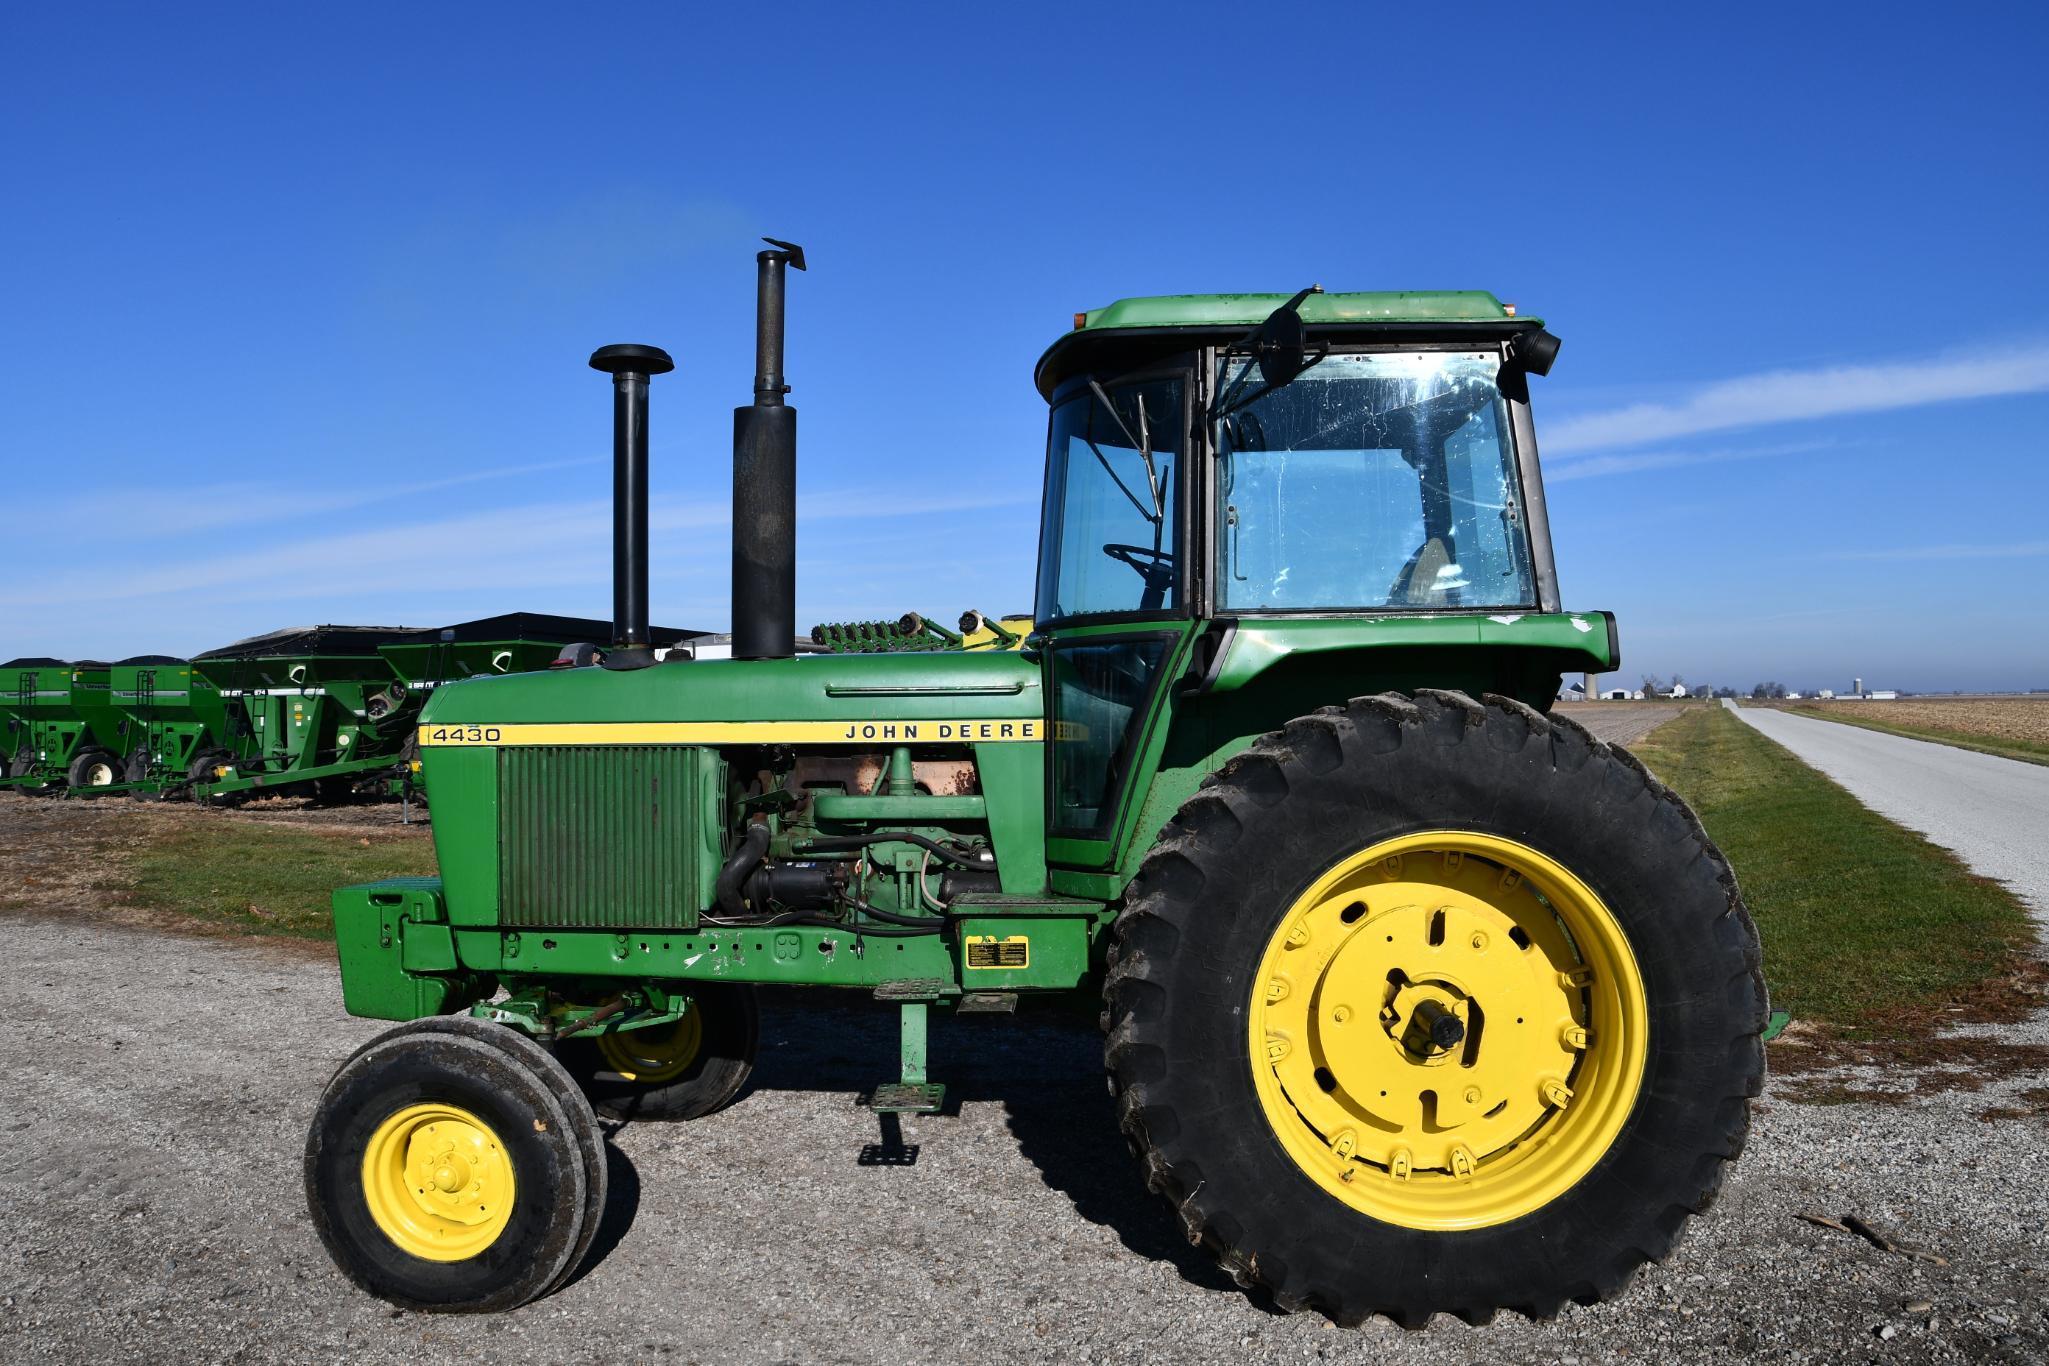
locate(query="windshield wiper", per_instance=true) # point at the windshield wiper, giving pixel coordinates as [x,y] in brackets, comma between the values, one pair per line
[1142,443]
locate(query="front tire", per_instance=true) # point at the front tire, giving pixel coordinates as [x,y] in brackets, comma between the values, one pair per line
[1423,1005]
[94,768]
[576,1108]
[443,1173]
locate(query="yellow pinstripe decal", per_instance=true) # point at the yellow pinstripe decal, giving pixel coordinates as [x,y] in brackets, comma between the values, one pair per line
[731,733]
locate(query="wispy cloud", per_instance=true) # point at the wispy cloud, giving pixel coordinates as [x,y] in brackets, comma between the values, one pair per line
[1594,466]
[538,545]
[1794,395]
[2017,550]
[139,512]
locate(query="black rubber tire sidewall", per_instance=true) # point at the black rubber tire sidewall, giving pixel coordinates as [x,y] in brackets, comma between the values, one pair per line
[1504,771]
[576,1107]
[203,764]
[76,775]
[529,1256]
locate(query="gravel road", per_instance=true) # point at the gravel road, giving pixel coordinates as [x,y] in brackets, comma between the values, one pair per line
[156,1087]
[1992,813]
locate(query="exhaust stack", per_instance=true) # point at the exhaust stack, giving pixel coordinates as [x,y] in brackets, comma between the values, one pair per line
[631,367]
[765,481]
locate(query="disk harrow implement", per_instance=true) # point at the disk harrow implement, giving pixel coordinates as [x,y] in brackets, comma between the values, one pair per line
[1419,1000]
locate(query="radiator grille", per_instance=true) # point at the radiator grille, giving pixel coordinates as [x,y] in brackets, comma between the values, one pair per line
[605,836]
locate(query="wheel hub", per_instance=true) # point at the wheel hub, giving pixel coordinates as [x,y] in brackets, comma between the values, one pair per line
[1464,1031]
[438,1182]
[1426,1023]
[655,1054]
[1427,1019]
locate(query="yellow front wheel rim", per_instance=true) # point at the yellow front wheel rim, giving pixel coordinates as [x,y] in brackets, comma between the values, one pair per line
[1448,1030]
[438,1182]
[656,1053]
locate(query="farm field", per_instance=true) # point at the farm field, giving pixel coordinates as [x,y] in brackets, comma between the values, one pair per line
[2017,727]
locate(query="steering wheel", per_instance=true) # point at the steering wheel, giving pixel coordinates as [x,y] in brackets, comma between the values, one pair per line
[1149,563]
[1156,567]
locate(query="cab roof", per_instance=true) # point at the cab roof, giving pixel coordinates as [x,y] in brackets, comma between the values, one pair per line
[1129,328]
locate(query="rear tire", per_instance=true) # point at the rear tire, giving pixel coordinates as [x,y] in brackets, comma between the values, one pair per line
[201,769]
[94,768]
[1662,1035]
[683,1070]
[443,1173]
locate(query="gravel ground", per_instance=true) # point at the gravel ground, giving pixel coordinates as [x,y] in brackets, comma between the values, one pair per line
[1622,723]
[1993,813]
[154,1099]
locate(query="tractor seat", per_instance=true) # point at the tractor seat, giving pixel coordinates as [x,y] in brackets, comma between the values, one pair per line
[1417,583]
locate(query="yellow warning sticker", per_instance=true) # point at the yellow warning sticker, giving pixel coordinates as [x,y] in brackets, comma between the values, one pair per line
[988,951]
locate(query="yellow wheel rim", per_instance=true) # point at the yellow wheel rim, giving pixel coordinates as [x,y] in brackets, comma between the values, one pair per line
[1448,1030]
[438,1182]
[656,1054]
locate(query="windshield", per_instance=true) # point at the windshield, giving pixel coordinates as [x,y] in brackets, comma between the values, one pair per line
[1112,476]
[1371,481]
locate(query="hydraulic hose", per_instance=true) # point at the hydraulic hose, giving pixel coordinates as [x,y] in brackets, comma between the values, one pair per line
[827,844]
[872,931]
[922,922]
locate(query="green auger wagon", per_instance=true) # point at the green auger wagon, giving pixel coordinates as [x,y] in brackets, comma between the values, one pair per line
[1418,999]
[325,710]
[179,726]
[66,733]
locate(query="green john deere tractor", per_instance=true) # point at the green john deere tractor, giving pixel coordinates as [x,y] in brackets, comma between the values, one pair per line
[1417,998]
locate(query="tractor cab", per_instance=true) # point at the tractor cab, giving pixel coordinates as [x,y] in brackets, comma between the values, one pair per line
[1218,460]
[1382,460]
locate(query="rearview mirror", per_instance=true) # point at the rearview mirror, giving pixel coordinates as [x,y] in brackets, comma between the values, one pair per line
[1528,353]
[1281,343]
[1533,352]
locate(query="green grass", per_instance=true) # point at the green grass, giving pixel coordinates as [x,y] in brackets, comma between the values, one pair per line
[1865,924]
[261,878]
[2028,751]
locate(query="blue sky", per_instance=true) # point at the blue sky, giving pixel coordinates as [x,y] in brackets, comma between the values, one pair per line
[297,303]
